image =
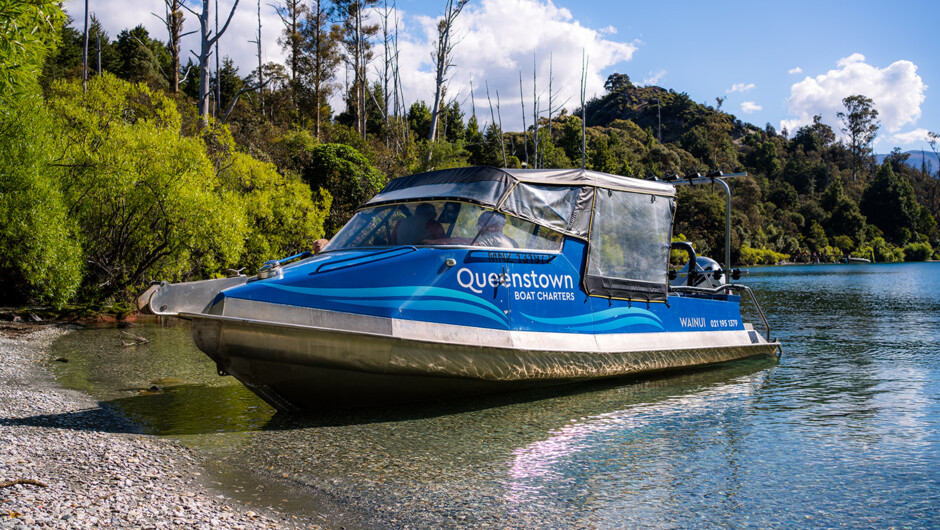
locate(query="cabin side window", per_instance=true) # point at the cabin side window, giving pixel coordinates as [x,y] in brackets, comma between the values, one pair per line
[629,246]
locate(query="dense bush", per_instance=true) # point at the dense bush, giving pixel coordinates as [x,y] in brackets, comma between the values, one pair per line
[346,174]
[761,256]
[149,203]
[143,196]
[283,217]
[920,251]
[40,258]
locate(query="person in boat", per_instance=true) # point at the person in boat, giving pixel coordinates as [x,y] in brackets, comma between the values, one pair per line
[420,226]
[490,226]
[319,245]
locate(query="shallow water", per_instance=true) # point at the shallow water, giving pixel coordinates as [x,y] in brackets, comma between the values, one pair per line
[843,431]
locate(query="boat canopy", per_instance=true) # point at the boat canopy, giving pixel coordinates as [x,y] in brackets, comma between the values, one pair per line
[627,222]
[560,199]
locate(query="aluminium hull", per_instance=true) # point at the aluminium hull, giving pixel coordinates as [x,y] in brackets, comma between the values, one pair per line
[311,359]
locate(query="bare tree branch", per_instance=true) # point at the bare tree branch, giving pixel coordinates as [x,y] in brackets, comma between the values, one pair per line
[443,55]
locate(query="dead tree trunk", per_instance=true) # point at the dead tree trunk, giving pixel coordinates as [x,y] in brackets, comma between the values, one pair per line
[85,53]
[261,82]
[525,142]
[173,21]
[207,39]
[442,58]
[493,118]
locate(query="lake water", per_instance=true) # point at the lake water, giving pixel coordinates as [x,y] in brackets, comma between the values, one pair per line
[843,431]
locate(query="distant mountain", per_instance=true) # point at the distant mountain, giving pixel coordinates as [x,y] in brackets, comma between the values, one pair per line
[916,159]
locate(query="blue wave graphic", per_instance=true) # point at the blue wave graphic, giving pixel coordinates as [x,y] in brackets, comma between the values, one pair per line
[607,320]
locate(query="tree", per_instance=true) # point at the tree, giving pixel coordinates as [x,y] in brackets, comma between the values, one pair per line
[890,204]
[617,83]
[320,46]
[570,138]
[356,35]
[860,123]
[601,157]
[144,198]
[292,14]
[442,59]
[419,119]
[29,33]
[897,159]
[767,160]
[845,218]
[229,82]
[346,175]
[173,21]
[207,40]
[474,140]
[40,258]
[138,56]
[932,139]
[816,238]
[451,117]
[284,216]
[815,137]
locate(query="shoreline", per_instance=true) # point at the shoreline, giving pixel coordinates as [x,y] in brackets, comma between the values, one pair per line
[79,465]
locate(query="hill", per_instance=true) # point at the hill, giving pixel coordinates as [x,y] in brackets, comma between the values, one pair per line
[916,160]
[666,113]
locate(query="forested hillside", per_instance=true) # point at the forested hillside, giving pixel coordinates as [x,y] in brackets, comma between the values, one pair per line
[150,170]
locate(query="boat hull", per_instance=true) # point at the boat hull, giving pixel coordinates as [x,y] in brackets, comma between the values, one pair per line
[326,360]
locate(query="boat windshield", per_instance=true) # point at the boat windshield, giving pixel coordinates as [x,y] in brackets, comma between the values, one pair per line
[442,223]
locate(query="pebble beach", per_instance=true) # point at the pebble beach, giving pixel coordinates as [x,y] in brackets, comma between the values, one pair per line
[66,462]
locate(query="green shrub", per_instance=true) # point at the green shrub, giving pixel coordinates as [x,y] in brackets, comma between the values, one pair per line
[40,258]
[885,252]
[917,251]
[346,174]
[761,256]
[284,217]
[144,198]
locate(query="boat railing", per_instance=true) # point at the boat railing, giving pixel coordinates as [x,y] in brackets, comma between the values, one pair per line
[733,287]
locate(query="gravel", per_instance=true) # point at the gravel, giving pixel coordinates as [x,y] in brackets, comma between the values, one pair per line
[74,464]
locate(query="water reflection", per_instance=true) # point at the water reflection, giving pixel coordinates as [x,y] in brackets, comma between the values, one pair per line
[843,431]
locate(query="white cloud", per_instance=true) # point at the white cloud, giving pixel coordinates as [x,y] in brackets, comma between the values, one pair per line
[653,78]
[915,137]
[796,70]
[897,92]
[609,30]
[498,39]
[740,87]
[749,107]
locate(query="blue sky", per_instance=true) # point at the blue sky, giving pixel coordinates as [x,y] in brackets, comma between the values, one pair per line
[774,62]
[706,48]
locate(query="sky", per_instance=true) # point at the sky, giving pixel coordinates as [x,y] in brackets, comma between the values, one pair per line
[773,62]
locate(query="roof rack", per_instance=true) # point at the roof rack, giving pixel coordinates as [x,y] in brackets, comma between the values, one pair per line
[711,178]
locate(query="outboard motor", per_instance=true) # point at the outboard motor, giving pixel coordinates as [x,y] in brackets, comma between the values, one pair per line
[708,274]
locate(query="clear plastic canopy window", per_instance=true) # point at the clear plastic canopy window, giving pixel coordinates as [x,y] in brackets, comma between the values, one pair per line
[630,236]
[442,223]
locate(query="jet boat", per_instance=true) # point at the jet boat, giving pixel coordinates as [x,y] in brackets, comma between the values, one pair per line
[468,281]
